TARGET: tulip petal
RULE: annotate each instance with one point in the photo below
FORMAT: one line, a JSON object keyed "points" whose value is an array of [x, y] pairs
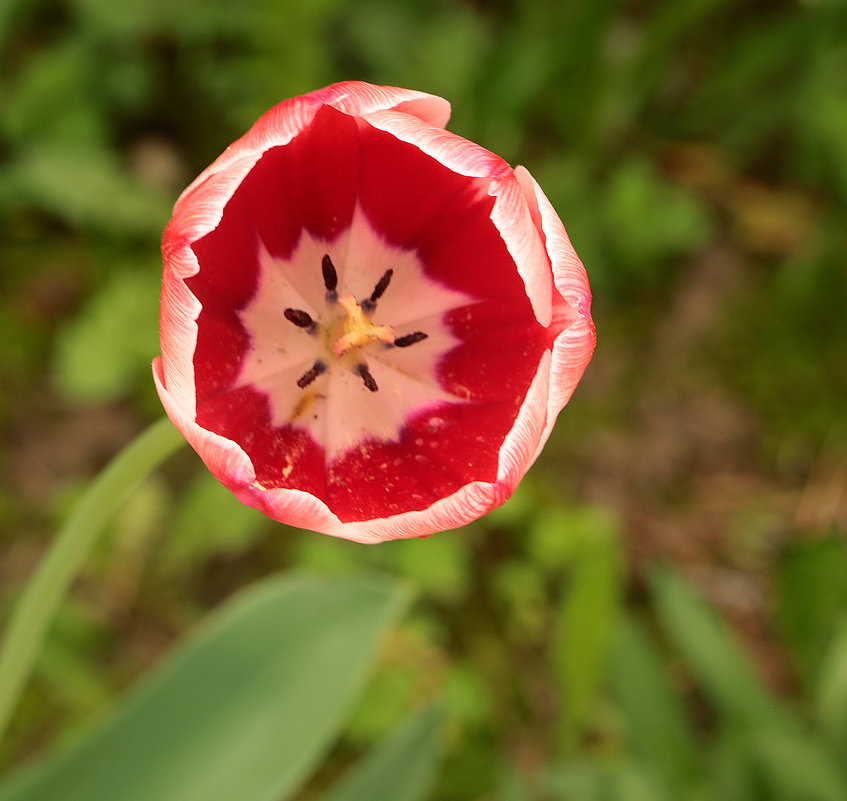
{"points": [[283, 122], [509, 213], [576, 339]]}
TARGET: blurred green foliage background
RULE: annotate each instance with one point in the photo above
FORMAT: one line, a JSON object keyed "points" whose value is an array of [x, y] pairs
{"points": [[697, 153]]}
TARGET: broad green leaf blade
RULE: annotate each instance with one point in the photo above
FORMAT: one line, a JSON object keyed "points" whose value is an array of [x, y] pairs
{"points": [[700, 637], [653, 716], [401, 768], [243, 710]]}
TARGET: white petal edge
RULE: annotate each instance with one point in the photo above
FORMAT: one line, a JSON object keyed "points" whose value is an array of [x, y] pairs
{"points": [[281, 123], [574, 345], [572, 351], [511, 214], [569, 273], [226, 460], [178, 332], [467, 504]]}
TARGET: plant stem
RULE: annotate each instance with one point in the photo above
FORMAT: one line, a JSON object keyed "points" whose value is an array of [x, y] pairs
{"points": [[44, 591]]}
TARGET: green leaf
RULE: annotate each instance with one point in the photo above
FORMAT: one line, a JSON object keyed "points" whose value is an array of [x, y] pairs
{"points": [[730, 776], [111, 342], [653, 716], [510, 785], [700, 637], [556, 534], [576, 779], [401, 768], [397, 681], [831, 690], [88, 187], [209, 521], [792, 764], [824, 112], [600, 780], [651, 220], [661, 40], [633, 782], [439, 567], [243, 710], [52, 101], [585, 625], [812, 582]]}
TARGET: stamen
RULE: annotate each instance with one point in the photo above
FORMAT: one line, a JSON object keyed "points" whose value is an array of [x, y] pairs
{"points": [[381, 286], [330, 275], [300, 318], [410, 339], [370, 382], [311, 374], [379, 290]]}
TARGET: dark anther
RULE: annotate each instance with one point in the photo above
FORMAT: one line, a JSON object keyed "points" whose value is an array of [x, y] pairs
{"points": [[369, 304], [330, 276], [300, 318], [381, 286], [370, 383], [311, 374], [410, 339]]}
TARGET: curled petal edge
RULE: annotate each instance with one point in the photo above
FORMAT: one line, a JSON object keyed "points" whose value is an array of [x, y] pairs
{"points": [[569, 274], [576, 337], [178, 329]]}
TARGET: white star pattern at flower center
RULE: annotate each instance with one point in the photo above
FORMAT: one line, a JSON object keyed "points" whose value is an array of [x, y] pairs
{"points": [[346, 337]]}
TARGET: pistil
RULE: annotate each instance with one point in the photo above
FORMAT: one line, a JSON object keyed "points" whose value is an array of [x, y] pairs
{"points": [[357, 328]]}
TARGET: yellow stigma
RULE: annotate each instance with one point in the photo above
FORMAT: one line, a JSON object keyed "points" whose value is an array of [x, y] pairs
{"points": [[357, 330]]}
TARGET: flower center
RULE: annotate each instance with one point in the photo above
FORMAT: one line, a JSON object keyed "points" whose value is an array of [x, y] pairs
{"points": [[346, 335], [357, 328], [375, 387]]}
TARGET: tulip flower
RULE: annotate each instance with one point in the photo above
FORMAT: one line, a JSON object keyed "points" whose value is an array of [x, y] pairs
{"points": [[368, 324]]}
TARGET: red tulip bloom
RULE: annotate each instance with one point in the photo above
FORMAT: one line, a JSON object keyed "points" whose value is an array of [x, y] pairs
{"points": [[368, 324]]}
